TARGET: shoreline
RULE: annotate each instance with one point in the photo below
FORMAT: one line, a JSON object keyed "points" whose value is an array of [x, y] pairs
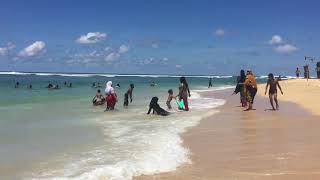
{"points": [[261, 144]]}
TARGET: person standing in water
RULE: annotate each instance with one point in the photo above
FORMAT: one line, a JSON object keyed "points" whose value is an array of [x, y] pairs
{"points": [[274, 84], [169, 99], [251, 89], [128, 95], [210, 83], [111, 96], [184, 92], [241, 88]]}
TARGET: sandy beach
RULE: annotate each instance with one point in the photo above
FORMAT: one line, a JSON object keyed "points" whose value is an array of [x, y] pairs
{"points": [[260, 144]]}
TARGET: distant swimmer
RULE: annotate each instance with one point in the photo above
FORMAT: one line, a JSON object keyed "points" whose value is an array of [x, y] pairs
{"points": [[70, 85], [273, 85], [98, 85], [155, 107], [50, 86], [152, 84], [98, 99], [93, 85], [210, 83], [30, 86], [118, 85], [65, 83], [17, 85], [128, 95]]}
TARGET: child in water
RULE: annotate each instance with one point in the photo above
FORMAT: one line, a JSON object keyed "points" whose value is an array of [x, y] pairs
{"points": [[170, 97], [274, 84], [98, 99], [127, 95], [156, 107]]}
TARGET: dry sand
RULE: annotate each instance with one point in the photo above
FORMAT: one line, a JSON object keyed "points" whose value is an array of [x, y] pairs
{"points": [[260, 144], [304, 92]]}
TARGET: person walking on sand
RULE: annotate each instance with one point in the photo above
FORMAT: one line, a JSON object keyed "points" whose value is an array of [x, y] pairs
{"points": [[297, 72], [274, 84], [111, 96], [241, 88], [184, 92], [251, 89]]}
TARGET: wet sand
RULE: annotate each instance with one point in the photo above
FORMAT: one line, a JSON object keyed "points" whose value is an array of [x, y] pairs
{"points": [[260, 144]]}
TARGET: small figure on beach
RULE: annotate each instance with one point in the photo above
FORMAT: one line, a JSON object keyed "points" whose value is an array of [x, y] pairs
{"points": [[155, 107], [210, 83], [241, 88], [273, 85], [111, 96], [297, 72], [17, 85], [184, 92], [98, 99], [251, 89], [30, 86], [170, 97], [128, 95]]}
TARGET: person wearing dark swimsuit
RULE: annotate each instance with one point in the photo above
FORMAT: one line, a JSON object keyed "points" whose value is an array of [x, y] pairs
{"points": [[128, 95], [274, 84], [156, 107]]}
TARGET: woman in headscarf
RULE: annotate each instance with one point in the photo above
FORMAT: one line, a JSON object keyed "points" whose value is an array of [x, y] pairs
{"points": [[111, 96], [251, 87], [240, 88], [184, 92]]}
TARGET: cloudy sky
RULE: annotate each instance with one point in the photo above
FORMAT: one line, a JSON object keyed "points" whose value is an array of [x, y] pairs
{"points": [[158, 36]]}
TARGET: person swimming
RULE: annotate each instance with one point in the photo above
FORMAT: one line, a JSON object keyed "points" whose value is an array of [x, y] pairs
{"points": [[170, 97], [93, 85], [152, 84], [274, 84], [98, 99], [17, 85], [155, 107], [128, 95], [70, 85], [50, 86], [30, 86], [118, 85]]}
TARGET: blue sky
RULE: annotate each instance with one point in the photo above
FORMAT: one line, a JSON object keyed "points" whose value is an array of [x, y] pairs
{"points": [[158, 36]]}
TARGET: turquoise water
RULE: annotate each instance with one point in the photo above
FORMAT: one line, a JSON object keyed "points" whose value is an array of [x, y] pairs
{"points": [[59, 134]]}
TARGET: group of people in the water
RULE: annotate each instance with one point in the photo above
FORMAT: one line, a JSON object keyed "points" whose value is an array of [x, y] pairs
{"points": [[111, 98], [247, 87], [50, 86]]}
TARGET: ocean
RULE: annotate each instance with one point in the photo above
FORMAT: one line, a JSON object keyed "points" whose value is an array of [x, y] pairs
{"points": [[58, 134]]}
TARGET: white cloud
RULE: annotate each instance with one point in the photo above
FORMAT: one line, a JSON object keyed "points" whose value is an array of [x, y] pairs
{"points": [[5, 50], [91, 37], [112, 56], [276, 39], [123, 49], [108, 48], [286, 49], [220, 32], [33, 49], [178, 66]]}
